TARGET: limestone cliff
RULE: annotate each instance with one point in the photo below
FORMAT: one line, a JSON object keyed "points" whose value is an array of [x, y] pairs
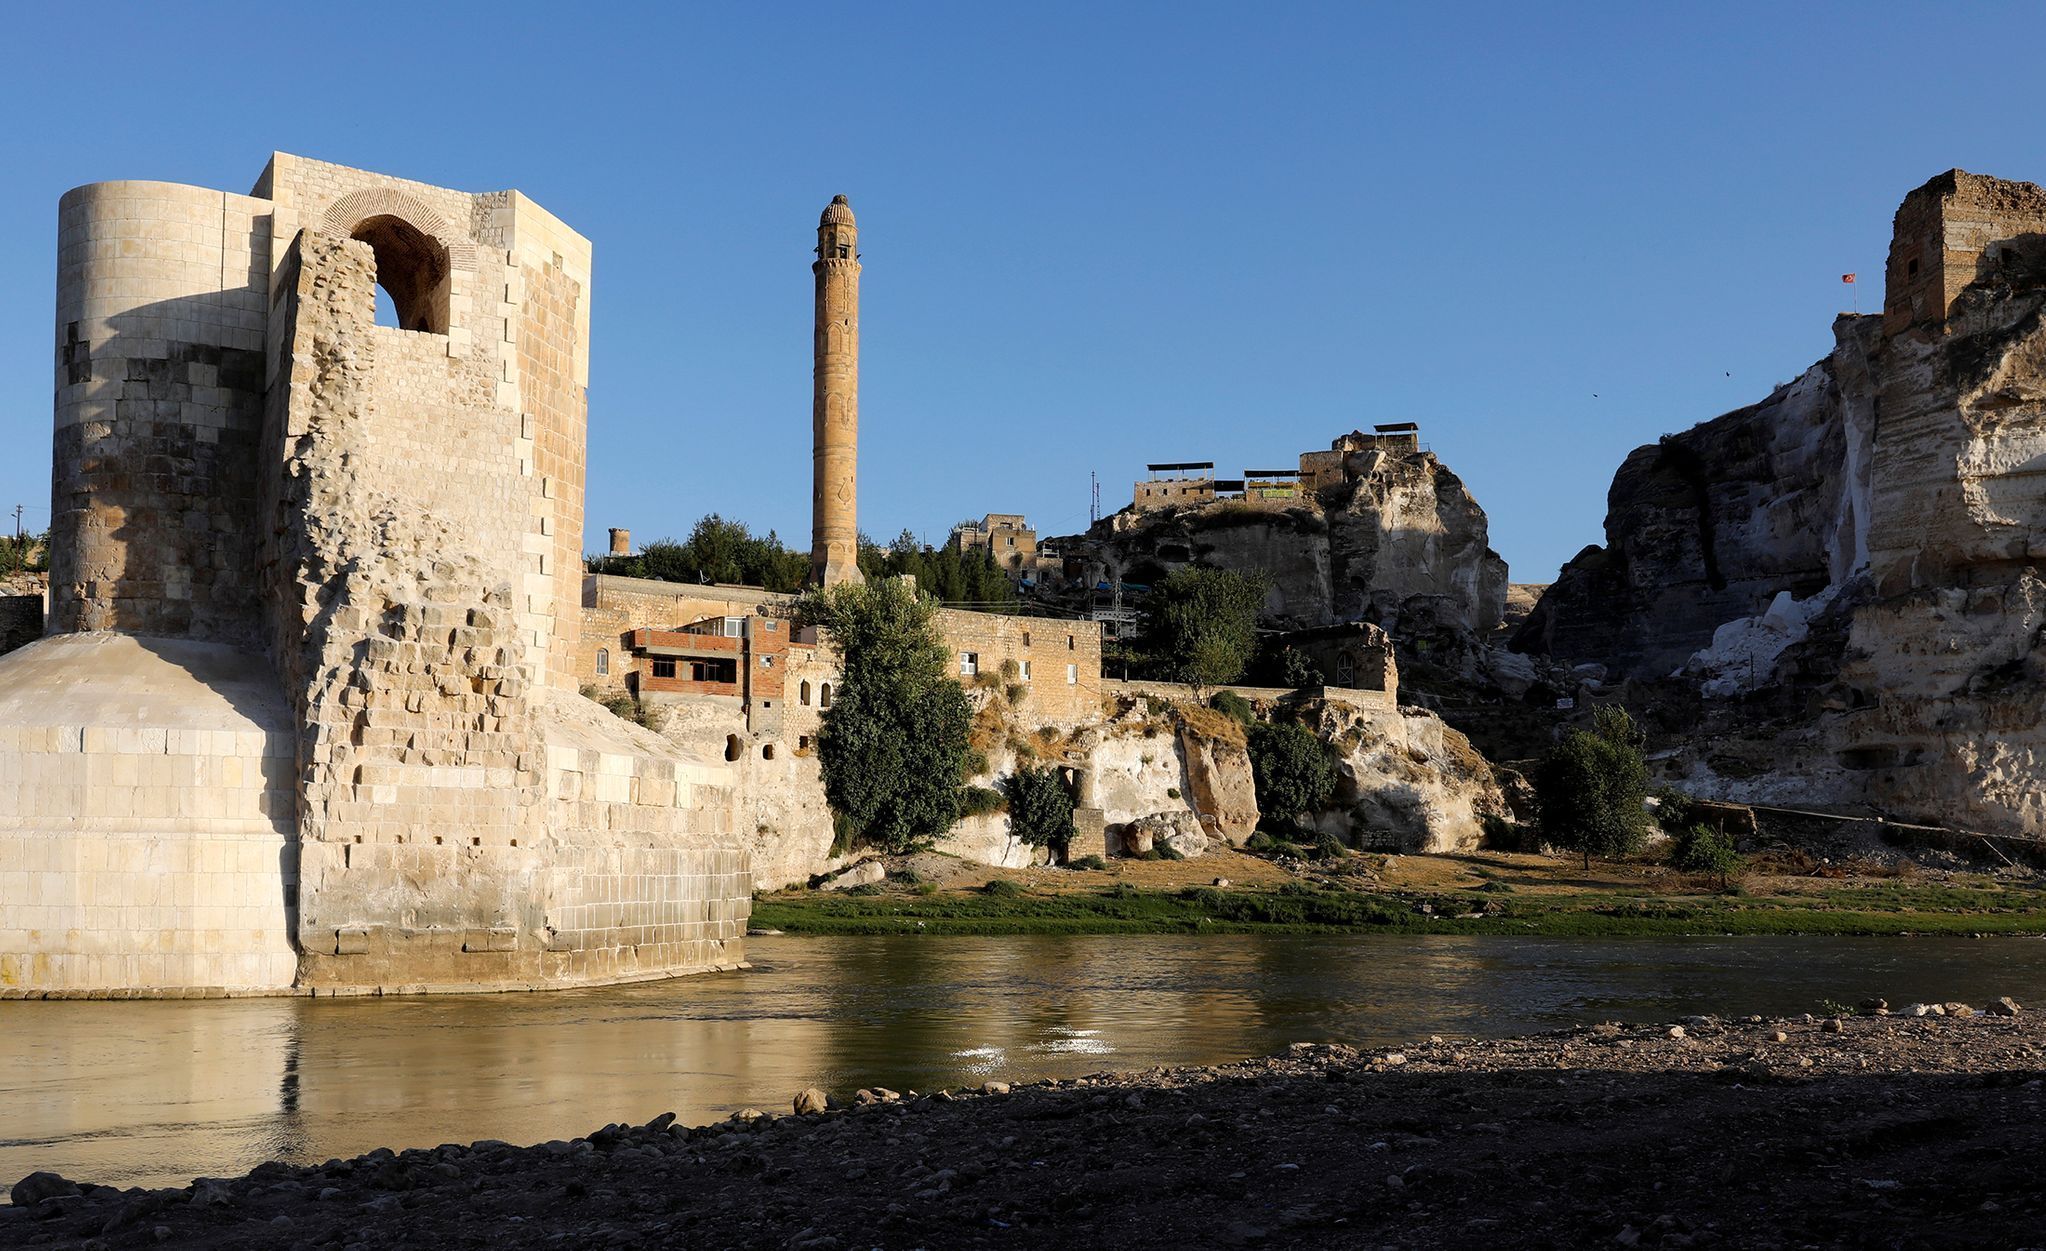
{"points": [[1706, 526], [1849, 574], [1398, 527], [1409, 782]]}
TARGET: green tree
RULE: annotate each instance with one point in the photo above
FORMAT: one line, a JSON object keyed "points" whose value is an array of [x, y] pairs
{"points": [[1202, 624], [1292, 770], [1703, 849], [893, 744], [1592, 787], [1040, 807]]}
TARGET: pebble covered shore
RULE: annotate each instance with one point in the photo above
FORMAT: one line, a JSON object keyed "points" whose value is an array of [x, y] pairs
{"points": [[1918, 1127]]}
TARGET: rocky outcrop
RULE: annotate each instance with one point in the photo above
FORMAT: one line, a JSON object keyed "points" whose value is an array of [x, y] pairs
{"points": [[1708, 526], [1398, 527], [1409, 782], [1852, 586]]}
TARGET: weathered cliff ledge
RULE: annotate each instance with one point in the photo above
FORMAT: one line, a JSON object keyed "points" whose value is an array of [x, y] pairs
{"points": [[1835, 596], [1873, 1131], [1399, 527]]}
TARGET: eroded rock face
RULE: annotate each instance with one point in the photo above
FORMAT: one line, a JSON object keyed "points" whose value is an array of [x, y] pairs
{"points": [[1409, 782], [1867, 631], [1400, 527], [1707, 526]]}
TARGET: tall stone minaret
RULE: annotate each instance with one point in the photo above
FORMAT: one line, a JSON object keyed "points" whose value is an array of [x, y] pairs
{"points": [[835, 408]]}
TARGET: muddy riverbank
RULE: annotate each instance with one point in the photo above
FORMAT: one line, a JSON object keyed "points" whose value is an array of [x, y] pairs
{"points": [[1872, 1130]]}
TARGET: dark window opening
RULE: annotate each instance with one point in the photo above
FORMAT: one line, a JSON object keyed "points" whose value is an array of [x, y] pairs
{"points": [[824, 695], [726, 671], [733, 748], [412, 272], [664, 666]]}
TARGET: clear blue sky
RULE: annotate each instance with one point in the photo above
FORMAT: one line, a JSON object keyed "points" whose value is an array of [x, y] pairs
{"points": [[1095, 235]]}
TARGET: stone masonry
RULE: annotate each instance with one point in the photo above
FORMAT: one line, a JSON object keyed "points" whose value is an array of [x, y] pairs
{"points": [[379, 526]]}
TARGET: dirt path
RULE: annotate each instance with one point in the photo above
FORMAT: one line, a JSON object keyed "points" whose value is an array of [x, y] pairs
{"points": [[1891, 1132]]}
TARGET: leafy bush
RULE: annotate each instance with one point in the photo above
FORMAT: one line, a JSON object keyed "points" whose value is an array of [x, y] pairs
{"points": [[1040, 807], [1261, 842], [1234, 705], [893, 743], [1088, 862], [1292, 770], [1591, 788], [1675, 811], [1703, 849], [978, 801], [1002, 888], [1166, 851], [1329, 847], [1296, 670]]}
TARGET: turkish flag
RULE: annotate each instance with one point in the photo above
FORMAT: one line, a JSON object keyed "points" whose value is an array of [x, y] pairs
{"points": [[1847, 277]]}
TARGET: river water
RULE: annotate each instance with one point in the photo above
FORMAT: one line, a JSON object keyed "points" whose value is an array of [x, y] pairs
{"points": [[155, 1093]]}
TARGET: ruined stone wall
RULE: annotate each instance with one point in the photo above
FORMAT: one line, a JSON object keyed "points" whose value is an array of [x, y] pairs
{"points": [[1064, 658], [1954, 230], [161, 295]]}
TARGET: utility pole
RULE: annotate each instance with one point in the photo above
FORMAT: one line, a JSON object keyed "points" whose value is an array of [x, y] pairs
{"points": [[17, 523], [1094, 484]]}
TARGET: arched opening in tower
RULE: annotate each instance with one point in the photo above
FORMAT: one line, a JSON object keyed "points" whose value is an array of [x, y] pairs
{"points": [[412, 274]]}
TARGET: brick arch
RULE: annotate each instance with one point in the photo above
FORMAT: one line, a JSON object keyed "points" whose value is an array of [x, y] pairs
{"points": [[357, 207]]}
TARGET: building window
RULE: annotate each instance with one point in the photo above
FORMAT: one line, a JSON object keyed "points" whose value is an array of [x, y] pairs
{"points": [[1072, 675], [803, 693], [770, 626], [767, 751], [1026, 638], [733, 748], [664, 666], [1026, 671], [969, 664], [1070, 645], [767, 662], [1012, 540], [802, 743], [603, 662], [824, 696]]}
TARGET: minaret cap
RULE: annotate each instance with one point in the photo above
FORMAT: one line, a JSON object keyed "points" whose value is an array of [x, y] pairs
{"points": [[836, 213]]}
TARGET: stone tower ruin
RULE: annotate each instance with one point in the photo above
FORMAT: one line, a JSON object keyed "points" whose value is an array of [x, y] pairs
{"points": [[306, 718], [835, 407]]}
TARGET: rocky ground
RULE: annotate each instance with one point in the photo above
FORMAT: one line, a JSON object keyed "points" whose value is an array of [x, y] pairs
{"points": [[1870, 1131]]}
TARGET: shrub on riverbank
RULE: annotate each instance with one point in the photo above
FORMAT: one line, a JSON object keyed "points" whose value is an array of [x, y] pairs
{"points": [[1292, 769], [1702, 849], [1040, 807], [1592, 788]]}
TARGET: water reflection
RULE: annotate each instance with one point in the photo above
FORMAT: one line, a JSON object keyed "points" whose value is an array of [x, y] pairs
{"points": [[156, 1092]]}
